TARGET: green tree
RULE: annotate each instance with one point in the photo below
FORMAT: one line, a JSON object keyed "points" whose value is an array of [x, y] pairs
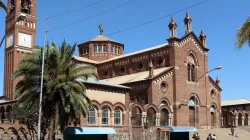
{"points": [[26, 115], [243, 34], [64, 96]]}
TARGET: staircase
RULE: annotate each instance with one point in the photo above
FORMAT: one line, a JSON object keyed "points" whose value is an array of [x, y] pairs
{"points": [[225, 133]]}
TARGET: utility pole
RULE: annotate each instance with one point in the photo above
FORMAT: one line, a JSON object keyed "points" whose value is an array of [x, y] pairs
{"points": [[41, 88]]}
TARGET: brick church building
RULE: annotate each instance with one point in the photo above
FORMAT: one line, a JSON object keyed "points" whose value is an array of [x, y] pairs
{"points": [[153, 86]]}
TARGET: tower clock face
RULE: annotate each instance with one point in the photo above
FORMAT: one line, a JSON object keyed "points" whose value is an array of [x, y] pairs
{"points": [[24, 40], [9, 41]]}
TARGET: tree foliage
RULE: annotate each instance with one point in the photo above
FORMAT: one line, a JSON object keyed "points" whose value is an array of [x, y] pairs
{"points": [[64, 96], [243, 34]]}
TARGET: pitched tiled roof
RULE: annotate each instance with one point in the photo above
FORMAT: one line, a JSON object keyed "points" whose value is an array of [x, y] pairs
{"points": [[137, 52], [102, 38], [235, 102], [121, 56], [140, 76], [83, 59], [101, 82]]}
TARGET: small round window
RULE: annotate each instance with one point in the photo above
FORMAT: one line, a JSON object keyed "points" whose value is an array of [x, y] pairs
{"points": [[164, 87], [106, 73], [213, 94], [140, 66], [122, 70], [160, 61]]}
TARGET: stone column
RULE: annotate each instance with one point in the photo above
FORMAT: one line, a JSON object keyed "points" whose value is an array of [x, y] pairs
{"points": [[236, 121], [242, 120], [157, 119], [143, 118], [99, 117], [248, 121], [6, 115], [221, 119], [1, 114], [129, 118], [170, 118], [112, 118]]}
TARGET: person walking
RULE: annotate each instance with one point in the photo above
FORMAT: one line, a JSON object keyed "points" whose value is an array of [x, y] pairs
{"points": [[214, 137], [209, 137], [197, 137], [232, 130]]}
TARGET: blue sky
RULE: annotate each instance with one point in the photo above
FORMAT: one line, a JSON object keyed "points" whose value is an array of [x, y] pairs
{"points": [[219, 19]]}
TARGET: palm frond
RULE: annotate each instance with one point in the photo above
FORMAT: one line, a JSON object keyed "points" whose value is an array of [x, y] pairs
{"points": [[243, 34]]}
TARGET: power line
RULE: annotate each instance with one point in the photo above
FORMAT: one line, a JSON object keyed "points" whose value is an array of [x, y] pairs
{"points": [[76, 9], [92, 16], [159, 18]]}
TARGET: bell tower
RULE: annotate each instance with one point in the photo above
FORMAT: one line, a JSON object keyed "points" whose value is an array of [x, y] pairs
{"points": [[20, 32]]}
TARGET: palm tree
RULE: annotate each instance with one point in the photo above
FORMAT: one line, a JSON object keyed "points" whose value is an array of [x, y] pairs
{"points": [[243, 34], [64, 96]]}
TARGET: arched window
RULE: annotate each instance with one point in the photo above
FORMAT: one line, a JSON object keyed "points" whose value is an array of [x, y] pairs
{"points": [[105, 116], [163, 103], [118, 50], [191, 68], [164, 117], [91, 117], [95, 48], [104, 48], [99, 48], [136, 116], [117, 116], [192, 73]]}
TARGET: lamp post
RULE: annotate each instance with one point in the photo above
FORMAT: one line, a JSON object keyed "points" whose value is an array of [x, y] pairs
{"points": [[39, 134], [217, 68], [20, 17]]}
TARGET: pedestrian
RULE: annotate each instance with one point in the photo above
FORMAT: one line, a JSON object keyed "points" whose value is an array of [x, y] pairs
{"points": [[214, 137], [209, 137], [232, 131], [197, 137], [194, 135]]}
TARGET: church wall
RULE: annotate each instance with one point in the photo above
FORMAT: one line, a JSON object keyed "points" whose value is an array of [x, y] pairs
{"points": [[159, 93], [183, 88], [102, 96]]}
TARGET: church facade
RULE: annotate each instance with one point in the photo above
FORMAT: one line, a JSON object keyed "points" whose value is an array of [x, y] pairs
{"points": [[153, 87]]}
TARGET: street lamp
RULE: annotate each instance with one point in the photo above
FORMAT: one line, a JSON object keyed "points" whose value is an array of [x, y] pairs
{"points": [[3, 6], [20, 17], [217, 68]]}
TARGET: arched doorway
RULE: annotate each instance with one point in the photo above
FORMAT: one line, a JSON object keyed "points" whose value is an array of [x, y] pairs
{"points": [[212, 119], [136, 116], [228, 119], [151, 116], [246, 119], [192, 114], [164, 117], [213, 115], [239, 119]]}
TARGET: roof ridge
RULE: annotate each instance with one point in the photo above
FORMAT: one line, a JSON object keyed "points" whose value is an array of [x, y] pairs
{"points": [[134, 53], [236, 99]]}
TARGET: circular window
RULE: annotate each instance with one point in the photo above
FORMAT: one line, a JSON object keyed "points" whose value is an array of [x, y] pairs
{"points": [[164, 87], [122, 70], [213, 94], [160, 61], [140, 66], [106, 73]]}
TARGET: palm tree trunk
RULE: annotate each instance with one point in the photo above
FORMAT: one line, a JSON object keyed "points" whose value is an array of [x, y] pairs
{"points": [[52, 127]]}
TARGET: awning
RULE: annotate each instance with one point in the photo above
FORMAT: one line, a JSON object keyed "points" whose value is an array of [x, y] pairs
{"points": [[88, 130], [181, 129]]}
